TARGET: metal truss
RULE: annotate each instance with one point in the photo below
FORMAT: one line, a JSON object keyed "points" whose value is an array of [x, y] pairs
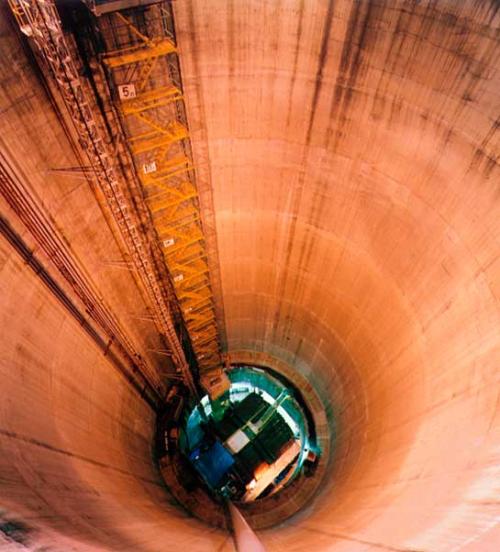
{"points": [[39, 20], [142, 70]]}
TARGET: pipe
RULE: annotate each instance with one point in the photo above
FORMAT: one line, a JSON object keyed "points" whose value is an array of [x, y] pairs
{"points": [[244, 537]]}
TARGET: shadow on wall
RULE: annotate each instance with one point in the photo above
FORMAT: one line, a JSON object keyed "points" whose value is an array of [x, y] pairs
{"points": [[61, 491], [14, 531]]}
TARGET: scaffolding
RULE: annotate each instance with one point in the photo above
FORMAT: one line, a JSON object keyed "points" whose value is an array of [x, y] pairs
{"points": [[39, 20], [156, 204], [143, 75]]}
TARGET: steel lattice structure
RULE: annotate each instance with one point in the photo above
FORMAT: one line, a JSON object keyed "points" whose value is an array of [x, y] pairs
{"points": [[39, 20], [143, 76]]}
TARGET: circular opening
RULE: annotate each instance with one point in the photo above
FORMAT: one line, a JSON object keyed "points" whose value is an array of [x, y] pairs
{"points": [[255, 445], [252, 441]]}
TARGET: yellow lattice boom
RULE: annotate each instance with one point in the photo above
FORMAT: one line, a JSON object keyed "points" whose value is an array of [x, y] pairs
{"points": [[143, 74]]}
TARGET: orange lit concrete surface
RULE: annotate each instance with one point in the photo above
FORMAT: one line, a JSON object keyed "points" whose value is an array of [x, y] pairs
{"points": [[352, 150]]}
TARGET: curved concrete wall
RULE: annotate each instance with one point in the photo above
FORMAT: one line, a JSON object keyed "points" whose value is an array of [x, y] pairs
{"points": [[352, 151]]}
